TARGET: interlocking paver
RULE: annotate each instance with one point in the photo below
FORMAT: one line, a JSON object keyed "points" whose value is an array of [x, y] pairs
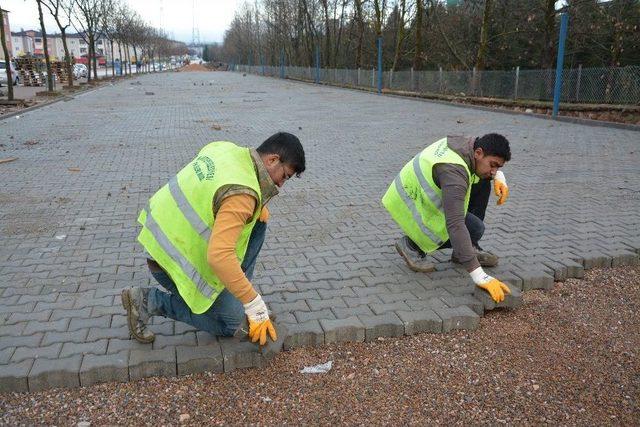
{"points": [[104, 368], [47, 373], [329, 251], [148, 363]]}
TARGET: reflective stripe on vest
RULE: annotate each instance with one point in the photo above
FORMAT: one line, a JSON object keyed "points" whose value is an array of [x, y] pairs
{"points": [[414, 200], [435, 199], [412, 207], [187, 210], [172, 251]]}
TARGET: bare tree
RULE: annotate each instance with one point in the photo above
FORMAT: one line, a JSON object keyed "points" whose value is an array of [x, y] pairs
{"points": [[7, 57], [400, 10], [45, 43], [57, 9], [87, 19]]}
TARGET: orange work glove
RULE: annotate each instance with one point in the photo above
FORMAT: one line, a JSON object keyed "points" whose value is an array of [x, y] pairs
{"points": [[500, 187], [259, 322], [264, 214], [496, 288]]}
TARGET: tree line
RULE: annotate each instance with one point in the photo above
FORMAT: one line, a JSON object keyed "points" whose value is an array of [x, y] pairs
{"points": [[428, 34], [112, 20]]}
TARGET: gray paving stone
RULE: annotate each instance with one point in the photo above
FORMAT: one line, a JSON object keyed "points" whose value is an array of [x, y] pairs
{"points": [[360, 310], [342, 330], [384, 308], [21, 341], [44, 352], [624, 257], [47, 373], [535, 279], [5, 355], [104, 368], [304, 316], [458, 318], [307, 334], [77, 336], [95, 347], [420, 321], [382, 325], [595, 259], [574, 269], [145, 363], [317, 305], [187, 339], [13, 377], [116, 345], [332, 293], [121, 332], [470, 301], [239, 353], [200, 359], [35, 326]]}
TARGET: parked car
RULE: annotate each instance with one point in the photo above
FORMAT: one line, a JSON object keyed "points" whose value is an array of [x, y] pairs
{"points": [[80, 71], [3, 73]]}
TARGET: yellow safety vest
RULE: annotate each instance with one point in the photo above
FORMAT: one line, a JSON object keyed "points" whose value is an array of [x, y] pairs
{"points": [[415, 201], [177, 222]]}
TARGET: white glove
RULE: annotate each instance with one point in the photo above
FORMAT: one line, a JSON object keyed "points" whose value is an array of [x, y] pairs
{"points": [[500, 177], [479, 277], [256, 310]]}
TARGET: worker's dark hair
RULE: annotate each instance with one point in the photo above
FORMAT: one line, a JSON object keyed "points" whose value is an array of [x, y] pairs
{"points": [[288, 147], [494, 144]]}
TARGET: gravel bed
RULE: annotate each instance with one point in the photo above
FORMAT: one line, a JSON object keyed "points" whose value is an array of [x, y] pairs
{"points": [[568, 356]]}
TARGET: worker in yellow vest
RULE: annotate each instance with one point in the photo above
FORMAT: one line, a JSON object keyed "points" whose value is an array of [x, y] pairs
{"points": [[202, 232], [439, 200]]}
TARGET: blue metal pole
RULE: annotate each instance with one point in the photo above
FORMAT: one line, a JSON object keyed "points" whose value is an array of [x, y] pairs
{"points": [[262, 63], [379, 65], [564, 19], [317, 64]]}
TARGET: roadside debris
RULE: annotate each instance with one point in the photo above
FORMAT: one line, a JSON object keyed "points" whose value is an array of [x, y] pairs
{"points": [[318, 369], [73, 169], [8, 159]]}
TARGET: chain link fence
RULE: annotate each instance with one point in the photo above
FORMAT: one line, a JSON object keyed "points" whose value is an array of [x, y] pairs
{"points": [[613, 85]]}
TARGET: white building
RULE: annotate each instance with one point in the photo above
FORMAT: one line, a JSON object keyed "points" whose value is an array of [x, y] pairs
{"points": [[29, 43]]}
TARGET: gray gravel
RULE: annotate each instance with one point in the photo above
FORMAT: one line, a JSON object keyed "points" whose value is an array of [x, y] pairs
{"points": [[569, 356]]}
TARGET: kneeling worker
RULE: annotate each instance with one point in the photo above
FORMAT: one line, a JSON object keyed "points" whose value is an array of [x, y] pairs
{"points": [[439, 200], [202, 233]]}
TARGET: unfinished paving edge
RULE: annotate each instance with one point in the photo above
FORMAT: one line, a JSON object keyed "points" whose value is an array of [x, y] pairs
{"points": [[228, 354]]}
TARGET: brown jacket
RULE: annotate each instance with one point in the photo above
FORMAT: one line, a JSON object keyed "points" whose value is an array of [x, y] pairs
{"points": [[453, 181]]}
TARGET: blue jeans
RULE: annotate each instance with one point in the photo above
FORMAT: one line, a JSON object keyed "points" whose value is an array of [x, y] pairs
{"points": [[225, 315]]}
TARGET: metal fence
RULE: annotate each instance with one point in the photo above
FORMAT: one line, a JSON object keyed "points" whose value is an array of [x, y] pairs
{"points": [[614, 85]]}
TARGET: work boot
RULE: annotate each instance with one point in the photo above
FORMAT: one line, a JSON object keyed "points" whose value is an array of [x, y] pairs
{"points": [[413, 256], [485, 258], [135, 301]]}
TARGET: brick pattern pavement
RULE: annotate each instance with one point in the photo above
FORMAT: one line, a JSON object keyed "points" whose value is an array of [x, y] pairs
{"points": [[328, 267]]}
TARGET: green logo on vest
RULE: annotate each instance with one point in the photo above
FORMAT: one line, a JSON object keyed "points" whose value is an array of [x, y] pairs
{"points": [[208, 164], [441, 149]]}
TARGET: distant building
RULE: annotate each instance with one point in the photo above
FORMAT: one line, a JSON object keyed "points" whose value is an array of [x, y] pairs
{"points": [[30, 43], [7, 33]]}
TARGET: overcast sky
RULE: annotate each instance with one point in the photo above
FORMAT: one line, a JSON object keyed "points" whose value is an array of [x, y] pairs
{"points": [[212, 17]]}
